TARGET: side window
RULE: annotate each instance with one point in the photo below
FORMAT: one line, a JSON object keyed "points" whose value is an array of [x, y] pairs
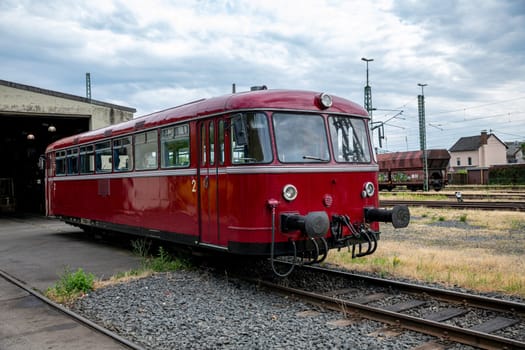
{"points": [[203, 144], [221, 142], [175, 146], [72, 161], [87, 160], [60, 161], [103, 157], [146, 146], [122, 154], [211, 137]]}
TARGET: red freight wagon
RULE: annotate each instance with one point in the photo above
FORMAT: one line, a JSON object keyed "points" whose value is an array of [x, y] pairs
{"points": [[407, 169], [266, 173]]}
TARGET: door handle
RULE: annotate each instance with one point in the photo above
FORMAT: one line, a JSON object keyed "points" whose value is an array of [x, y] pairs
{"points": [[206, 182]]}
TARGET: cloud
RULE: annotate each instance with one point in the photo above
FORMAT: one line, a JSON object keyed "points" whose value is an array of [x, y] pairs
{"points": [[157, 54]]}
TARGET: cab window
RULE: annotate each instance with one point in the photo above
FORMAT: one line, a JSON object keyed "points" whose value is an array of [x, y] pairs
{"points": [[250, 139]]}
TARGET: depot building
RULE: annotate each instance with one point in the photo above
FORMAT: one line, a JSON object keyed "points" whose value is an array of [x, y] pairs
{"points": [[30, 119]]}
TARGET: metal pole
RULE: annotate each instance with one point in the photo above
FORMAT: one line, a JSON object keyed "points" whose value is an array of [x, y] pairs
{"points": [[368, 89], [423, 135], [368, 98], [88, 86]]}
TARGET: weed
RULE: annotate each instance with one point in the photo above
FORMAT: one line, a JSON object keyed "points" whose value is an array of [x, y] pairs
{"points": [[141, 247], [395, 261], [514, 285], [463, 218], [71, 285], [164, 262], [441, 218]]}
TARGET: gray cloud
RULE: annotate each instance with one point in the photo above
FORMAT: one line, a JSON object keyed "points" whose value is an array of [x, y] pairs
{"points": [[162, 53]]}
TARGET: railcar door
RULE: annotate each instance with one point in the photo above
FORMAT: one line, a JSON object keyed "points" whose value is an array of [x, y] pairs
{"points": [[208, 183]]}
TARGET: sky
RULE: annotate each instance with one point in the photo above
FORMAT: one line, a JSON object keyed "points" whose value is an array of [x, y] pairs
{"points": [[152, 55]]}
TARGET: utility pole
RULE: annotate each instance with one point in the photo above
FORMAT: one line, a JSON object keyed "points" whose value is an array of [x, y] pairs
{"points": [[368, 99], [368, 89], [88, 86], [423, 134]]}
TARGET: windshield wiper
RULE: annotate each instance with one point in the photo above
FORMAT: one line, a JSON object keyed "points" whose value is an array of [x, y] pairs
{"points": [[315, 158]]}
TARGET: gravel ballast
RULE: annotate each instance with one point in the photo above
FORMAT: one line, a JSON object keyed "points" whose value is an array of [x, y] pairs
{"points": [[198, 310]]}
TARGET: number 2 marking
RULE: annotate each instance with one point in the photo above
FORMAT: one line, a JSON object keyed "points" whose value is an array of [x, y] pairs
{"points": [[193, 185]]}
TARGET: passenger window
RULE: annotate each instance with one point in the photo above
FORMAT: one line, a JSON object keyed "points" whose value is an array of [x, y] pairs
{"points": [[146, 145], [122, 154], [60, 162], [87, 160], [103, 157], [175, 146], [72, 161]]}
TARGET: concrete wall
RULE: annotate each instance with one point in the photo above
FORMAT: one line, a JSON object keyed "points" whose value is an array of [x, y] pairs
{"points": [[22, 99]]}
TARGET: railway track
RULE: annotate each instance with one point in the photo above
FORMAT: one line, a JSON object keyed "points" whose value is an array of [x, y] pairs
{"points": [[468, 319], [112, 337], [482, 205], [488, 196]]}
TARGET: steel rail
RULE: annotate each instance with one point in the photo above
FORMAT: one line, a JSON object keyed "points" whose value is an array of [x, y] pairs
{"points": [[437, 329], [464, 299], [465, 196], [70, 313], [512, 206], [434, 328]]}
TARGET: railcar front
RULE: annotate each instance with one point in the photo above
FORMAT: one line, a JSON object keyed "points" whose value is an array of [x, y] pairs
{"points": [[303, 182]]}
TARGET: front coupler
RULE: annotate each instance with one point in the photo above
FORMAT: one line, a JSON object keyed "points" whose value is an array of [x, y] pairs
{"points": [[399, 216]]}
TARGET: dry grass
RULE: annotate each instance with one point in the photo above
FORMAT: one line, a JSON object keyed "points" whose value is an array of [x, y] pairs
{"points": [[472, 249], [124, 277]]}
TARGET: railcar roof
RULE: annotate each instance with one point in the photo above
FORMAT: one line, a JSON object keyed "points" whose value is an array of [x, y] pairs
{"points": [[263, 99]]}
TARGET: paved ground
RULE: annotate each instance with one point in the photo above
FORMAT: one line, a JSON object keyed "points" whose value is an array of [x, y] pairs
{"points": [[36, 251]]}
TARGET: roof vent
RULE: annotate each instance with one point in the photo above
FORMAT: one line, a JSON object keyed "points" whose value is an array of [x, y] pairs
{"points": [[257, 88]]}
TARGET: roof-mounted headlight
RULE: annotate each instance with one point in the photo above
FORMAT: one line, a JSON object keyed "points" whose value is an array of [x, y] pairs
{"points": [[325, 100]]}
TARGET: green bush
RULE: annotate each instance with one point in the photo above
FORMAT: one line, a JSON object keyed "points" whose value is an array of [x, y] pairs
{"points": [[70, 285], [507, 174]]}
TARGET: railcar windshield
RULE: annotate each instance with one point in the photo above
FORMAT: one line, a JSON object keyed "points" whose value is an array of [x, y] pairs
{"points": [[250, 141], [349, 139], [300, 138]]}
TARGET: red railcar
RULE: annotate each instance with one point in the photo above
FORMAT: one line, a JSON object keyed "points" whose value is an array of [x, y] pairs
{"points": [[267, 173], [407, 169]]}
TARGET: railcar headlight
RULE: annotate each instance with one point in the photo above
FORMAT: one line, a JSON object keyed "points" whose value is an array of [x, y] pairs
{"points": [[369, 190], [326, 100], [289, 192]]}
